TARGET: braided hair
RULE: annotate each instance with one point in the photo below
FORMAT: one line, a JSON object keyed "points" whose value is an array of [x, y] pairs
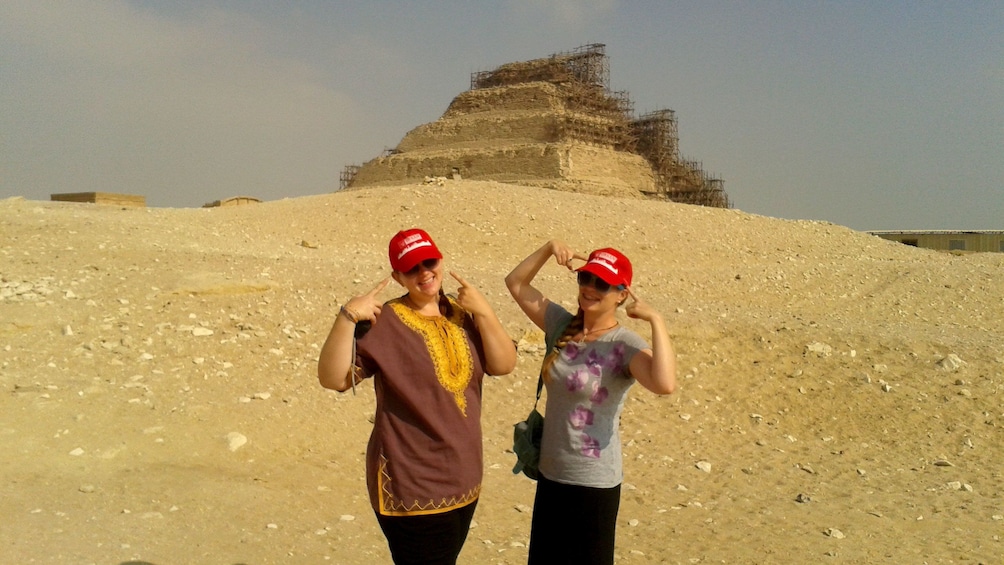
{"points": [[574, 326]]}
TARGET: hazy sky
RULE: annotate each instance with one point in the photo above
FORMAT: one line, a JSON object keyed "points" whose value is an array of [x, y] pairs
{"points": [[872, 115]]}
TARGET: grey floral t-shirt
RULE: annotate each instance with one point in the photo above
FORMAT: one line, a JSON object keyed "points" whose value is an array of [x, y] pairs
{"points": [[585, 395]]}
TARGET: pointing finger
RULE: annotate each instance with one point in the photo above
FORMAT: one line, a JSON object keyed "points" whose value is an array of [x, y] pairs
{"points": [[380, 286], [459, 279]]}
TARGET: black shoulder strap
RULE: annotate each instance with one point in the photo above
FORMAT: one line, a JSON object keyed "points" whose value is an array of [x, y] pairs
{"points": [[550, 342]]}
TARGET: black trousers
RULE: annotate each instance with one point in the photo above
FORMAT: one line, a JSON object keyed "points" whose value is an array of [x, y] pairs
{"points": [[432, 539], [573, 524]]}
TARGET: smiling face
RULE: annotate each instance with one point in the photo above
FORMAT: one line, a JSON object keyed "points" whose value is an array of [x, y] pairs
{"points": [[597, 301], [424, 279]]}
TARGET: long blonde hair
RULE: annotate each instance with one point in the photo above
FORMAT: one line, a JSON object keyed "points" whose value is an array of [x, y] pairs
{"points": [[574, 326]]}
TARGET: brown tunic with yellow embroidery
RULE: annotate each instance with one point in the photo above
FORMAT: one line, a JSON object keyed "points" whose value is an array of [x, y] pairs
{"points": [[424, 454]]}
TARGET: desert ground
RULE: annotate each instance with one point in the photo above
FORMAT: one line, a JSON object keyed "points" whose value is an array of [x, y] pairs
{"points": [[840, 395]]}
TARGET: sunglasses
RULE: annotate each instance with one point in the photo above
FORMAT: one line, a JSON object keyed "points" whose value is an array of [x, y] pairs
{"points": [[589, 279], [429, 265]]}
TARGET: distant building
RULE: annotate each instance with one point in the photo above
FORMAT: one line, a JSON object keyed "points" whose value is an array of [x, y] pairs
{"points": [[551, 123], [232, 201], [101, 198], [947, 240]]}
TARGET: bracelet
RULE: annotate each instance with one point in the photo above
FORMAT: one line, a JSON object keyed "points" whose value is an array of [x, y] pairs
{"points": [[349, 314]]}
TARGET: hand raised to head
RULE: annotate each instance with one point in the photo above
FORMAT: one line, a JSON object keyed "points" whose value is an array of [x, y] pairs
{"points": [[563, 254], [639, 309], [470, 298], [368, 306]]}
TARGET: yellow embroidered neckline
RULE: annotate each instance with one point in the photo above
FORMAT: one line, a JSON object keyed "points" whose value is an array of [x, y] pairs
{"points": [[447, 344]]}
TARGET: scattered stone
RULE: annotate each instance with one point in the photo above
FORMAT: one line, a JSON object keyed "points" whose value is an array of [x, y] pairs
{"points": [[820, 349], [835, 533], [950, 363], [236, 440], [704, 466], [200, 331]]}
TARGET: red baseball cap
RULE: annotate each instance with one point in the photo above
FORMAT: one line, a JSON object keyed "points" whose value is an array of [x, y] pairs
{"points": [[610, 265], [409, 248]]}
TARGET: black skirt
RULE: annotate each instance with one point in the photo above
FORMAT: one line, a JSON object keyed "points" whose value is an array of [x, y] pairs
{"points": [[573, 524]]}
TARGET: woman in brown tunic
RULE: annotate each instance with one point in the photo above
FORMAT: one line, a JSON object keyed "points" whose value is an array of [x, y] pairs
{"points": [[428, 353]]}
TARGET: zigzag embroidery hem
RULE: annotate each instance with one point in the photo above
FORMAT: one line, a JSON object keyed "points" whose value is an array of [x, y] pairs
{"points": [[390, 507]]}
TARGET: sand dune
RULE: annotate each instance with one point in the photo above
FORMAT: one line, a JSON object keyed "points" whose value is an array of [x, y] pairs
{"points": [[160, 399]]}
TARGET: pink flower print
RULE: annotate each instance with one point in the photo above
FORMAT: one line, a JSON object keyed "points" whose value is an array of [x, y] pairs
{"points": [[576, 381], [594, 359], [616, 357], [600, 393], [580, 417], [571, 351], [590, 446]]}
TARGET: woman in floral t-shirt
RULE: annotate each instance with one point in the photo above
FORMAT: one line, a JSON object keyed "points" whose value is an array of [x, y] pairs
{"points": [[587, 376]]}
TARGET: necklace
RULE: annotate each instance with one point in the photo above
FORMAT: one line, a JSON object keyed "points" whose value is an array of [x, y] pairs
{"points": [[586, 331]]}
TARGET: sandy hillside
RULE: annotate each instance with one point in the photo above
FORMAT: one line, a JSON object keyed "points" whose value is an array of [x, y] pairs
{"points": [[159, 399]]}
